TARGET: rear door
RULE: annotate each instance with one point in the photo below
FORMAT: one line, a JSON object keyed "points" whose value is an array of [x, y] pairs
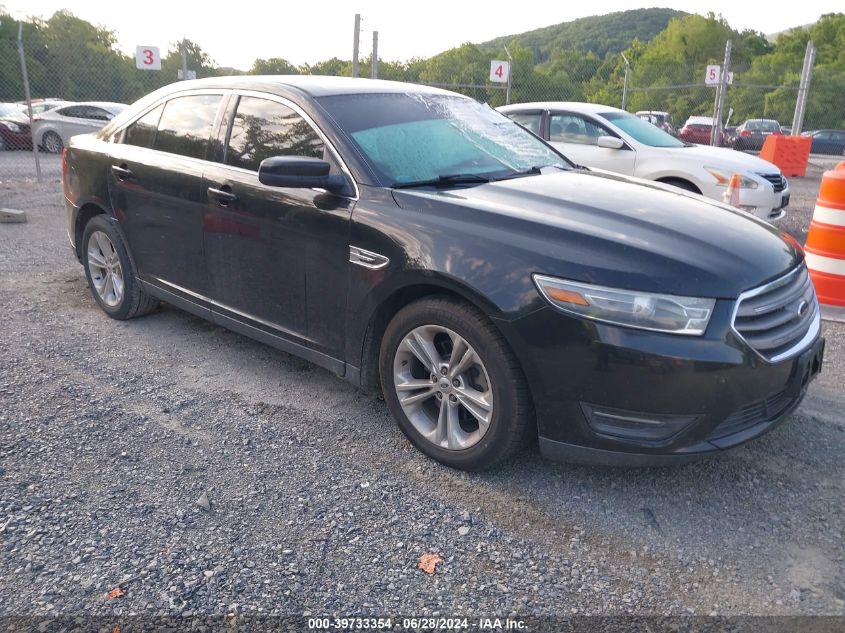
{"points": [[576, 135], [155, 183]]}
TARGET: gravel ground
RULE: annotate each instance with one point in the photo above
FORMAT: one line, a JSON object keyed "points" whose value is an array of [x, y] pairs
{"points": [[206, 474]]}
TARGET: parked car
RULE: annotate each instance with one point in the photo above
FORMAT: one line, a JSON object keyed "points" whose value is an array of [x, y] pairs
{"points": [[785, 129], [14, 128], [661, 119], [753, 133], [828, 142], [603, 137], [408, 237], [53, 129], [698, 130], [43, 105]]}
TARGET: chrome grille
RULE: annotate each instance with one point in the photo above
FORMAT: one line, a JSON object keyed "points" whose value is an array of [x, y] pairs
{"points": [[779, 318], [777, 180]]}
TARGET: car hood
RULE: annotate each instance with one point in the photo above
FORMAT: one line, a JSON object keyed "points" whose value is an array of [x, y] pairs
{"points": [[723, 158], [613, 230]]}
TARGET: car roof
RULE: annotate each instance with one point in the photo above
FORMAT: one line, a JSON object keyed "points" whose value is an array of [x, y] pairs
{"points": [[577, 106], [313, 85]]}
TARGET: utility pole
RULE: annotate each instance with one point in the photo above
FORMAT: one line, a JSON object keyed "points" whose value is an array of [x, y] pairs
{"points": [[716, 130], [804, 89], [28, 96], [374, 71], [625, 85], [355, 44], [184, 59]]}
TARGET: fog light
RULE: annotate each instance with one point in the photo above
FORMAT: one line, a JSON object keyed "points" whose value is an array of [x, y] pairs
{"points": [[635, 426]]}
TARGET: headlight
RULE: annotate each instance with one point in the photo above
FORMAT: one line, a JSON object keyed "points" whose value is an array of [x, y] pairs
{"points": [[723, 178], [644, 310], [14, 127]]}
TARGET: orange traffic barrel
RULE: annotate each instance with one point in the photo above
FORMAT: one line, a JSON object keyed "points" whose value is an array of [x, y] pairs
{"points": [[825, 247]]}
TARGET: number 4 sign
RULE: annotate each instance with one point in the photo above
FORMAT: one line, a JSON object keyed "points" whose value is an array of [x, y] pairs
{"points": [[499, 71], [147, 58]]}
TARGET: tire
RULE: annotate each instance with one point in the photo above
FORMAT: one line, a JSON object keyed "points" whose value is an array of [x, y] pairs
{"points": [[489, 386], [106, 261], [52, 143]]}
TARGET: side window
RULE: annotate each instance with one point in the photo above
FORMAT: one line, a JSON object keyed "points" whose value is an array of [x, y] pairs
{"points": [[185, 125], [263, 128], [143, 132], [75, 112], [571, 128], [98, 114], [528, 120]]}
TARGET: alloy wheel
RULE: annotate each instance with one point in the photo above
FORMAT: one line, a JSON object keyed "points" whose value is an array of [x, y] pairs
{"points": [[105, 269], [443, 387]]}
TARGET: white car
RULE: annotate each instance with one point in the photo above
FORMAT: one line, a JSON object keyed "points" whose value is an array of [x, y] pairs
{"points": [[603, 137], [52, 129]]}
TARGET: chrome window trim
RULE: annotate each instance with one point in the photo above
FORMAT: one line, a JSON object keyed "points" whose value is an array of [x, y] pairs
{"points": [[246, 93], [800, 346], [293, 106]]}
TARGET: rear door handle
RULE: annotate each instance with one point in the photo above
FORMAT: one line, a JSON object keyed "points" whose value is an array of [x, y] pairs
{"points": [[223, 196], [122, 172]]}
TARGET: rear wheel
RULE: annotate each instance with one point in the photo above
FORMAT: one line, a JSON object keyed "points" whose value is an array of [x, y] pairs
{"points": [[110, 274], [453, 385], [52, 142]]}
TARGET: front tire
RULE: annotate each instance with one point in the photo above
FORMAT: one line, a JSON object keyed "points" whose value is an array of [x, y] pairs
{"points": [[111, 276], [453, 385]]}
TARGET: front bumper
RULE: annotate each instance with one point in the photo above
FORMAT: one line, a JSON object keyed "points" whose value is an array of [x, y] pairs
{"points": [[719, 391], [762, 202]]}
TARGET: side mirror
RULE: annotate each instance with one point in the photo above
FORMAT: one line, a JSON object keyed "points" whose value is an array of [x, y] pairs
{"points": [[300, 172], [610, 142]]}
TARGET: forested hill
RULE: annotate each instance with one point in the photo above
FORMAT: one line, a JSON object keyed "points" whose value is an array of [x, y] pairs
{"points": [[600, 34]]}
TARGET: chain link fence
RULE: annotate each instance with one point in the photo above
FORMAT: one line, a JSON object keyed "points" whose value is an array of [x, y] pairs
{"points": [[100, 74]]}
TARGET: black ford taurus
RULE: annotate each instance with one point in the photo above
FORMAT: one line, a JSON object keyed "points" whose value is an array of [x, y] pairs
{"points": [[411, 239]]}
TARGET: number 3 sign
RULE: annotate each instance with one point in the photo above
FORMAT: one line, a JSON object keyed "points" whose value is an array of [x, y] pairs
{"points": [[499, 71], [147, 58]]}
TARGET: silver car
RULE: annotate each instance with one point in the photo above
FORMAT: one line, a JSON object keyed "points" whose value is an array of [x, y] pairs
{"points": [[52, 129]]}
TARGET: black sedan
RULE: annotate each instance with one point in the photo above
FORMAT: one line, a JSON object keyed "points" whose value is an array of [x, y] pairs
{"points": [[413, 240], [828, 142]]}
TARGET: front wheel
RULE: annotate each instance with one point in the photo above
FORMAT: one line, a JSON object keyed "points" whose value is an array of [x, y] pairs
{"points": [[453, 385]]}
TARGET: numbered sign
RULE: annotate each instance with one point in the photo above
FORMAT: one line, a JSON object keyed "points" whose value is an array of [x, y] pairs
{"points": [[713, 75], [499, 71], [147, 58]]}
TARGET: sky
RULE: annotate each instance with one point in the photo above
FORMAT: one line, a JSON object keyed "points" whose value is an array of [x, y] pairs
{"points": [[313, 31]]}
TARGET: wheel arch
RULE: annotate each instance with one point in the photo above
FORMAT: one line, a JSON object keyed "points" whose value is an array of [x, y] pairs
{"points": [[680, 182], [83, 217]]}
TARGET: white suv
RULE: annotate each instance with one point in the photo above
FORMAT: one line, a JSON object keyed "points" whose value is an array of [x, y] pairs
{"points": [[602, 137]]}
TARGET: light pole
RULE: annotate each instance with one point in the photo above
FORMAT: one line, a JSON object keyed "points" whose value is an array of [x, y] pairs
{"points": [[625, 85]]}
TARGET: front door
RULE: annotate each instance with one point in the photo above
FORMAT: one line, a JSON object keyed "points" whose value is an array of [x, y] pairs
{"points": [[275, 254], [576, 135]]}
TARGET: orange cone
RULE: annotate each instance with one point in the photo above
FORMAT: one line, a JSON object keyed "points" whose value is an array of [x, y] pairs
{"points": [[731, 195], [825, 248]]}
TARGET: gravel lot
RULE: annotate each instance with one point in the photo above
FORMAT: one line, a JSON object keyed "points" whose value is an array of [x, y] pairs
{"points": [[112, 432]]}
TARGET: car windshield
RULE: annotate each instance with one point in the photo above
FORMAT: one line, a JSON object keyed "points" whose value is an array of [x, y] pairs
{"points": [[10, 109], [641, 131], [410, 138]]}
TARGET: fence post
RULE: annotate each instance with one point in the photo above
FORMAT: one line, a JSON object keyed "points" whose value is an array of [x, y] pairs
{"points": [[804, 88], [510, 75], [28, 100], [625, 85], [716, 131], [355, 38], [374, 67]]}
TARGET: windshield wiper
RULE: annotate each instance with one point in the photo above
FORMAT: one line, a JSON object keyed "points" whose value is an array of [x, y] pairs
{"points": [[443, 181]]}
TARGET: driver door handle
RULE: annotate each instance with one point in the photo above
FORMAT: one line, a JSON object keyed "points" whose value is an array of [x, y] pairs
{"points": [[222, 196]]}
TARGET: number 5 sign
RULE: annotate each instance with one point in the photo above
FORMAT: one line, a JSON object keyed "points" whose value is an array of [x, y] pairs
{"points": [[499, 71], [147, 58], [712, 75]]}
